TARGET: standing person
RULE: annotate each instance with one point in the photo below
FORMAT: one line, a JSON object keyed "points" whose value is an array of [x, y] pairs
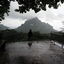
{"points": [[29, 38], [30, 35]]}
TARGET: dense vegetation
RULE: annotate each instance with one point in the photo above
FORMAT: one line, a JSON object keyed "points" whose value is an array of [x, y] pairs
{"points": [[58, 36], [13, 36]]}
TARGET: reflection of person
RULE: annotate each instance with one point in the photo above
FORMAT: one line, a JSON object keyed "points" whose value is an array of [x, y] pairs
{"points": [[29, 44], [30, 34]]}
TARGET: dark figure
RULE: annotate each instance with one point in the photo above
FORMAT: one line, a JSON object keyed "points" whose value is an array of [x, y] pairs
{"points": [[29, 34], [29, 44], [3, 45], [29, 38]]}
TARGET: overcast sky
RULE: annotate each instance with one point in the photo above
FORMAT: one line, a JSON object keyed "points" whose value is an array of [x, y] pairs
{"points": [[54, 17]]}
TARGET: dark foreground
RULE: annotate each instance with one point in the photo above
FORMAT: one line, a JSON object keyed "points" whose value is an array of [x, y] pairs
{"points": [[39, 53]]}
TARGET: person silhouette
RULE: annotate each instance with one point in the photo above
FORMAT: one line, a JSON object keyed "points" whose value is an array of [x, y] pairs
{"points": [[30, 38], [30, 35]]}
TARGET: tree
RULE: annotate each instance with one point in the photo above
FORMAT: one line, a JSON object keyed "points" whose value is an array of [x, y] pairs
{"points": [[26, 5], [4, 8]]}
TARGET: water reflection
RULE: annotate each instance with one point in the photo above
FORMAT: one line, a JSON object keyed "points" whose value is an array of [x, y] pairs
{"points": [[30, 44], [26, 52], [3, 56]]}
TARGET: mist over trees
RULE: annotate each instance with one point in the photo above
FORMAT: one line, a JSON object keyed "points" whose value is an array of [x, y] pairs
{"points": [[26, 5]]}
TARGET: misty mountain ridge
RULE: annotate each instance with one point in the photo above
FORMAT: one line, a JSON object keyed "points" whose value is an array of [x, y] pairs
{"points": [[2, 27], [36, 26]]}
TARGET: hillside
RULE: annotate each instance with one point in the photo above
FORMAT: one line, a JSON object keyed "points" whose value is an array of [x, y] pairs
{"points": [[2, 27], [36, 26]]}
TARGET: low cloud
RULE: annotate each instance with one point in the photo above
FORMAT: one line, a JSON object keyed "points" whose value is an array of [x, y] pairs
{"points": [[49, 16]]}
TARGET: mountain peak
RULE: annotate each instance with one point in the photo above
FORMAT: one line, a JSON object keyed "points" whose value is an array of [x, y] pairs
{"points": [[35, 18], [33, 21], [36, 25], [32, 18]]}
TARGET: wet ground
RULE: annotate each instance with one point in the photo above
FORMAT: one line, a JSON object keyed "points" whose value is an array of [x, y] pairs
{"points": [[40, 52]]}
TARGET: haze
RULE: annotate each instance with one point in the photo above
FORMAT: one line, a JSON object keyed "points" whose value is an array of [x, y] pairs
{"points": [[54, 17]]}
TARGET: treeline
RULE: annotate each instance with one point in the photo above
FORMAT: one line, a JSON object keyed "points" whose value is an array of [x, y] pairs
{"points": [[14, 36], [57, 36]]}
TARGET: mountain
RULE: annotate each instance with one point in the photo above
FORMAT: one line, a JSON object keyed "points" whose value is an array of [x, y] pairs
{"points": [[36, 26], [2, 27]]}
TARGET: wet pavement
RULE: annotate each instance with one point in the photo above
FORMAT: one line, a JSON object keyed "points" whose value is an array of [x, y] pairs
{"points": [[40, 52]]}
